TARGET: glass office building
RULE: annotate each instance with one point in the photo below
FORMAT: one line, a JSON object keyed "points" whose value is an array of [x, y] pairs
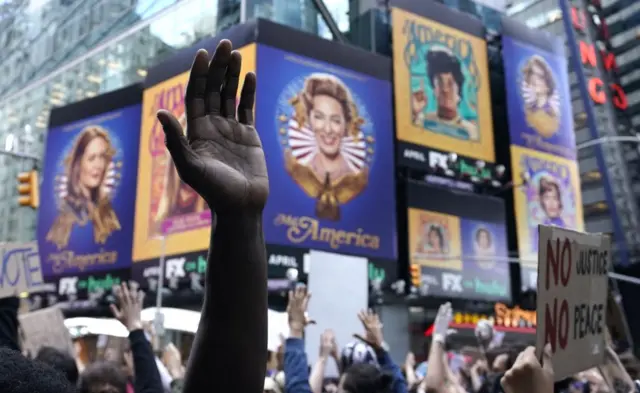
{"points": [[621, 17], [55, 52]]}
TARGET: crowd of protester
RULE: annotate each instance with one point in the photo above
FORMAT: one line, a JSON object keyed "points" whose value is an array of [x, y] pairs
{"points": [[221, 158]]}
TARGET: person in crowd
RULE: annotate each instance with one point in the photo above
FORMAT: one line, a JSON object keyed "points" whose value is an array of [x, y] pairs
{"points": [[221, 158], [363, 377], [18, 374], [60, 361], [328, 350], [128, 312]]}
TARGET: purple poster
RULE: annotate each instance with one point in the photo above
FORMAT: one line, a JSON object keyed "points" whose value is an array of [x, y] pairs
{"points": [[85, 220], [539, 101], [485, 258]]}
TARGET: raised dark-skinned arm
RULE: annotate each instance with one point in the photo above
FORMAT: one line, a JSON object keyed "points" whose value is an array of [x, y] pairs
{"points": [[222, 159]]}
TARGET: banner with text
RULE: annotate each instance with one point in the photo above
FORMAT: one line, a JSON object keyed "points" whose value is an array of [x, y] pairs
{"points": [[20, 270], [572, 298], [164, 204], [327, 134], [85, 219]]}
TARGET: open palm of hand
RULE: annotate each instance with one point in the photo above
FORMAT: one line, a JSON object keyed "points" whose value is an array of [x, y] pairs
{"points": [[221, 157]]}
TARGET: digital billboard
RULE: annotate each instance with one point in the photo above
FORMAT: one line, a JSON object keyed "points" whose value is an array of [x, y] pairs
{"points": [[538, 97], [165, 206], [459, 243], [327, 133], [550, 196], [85, 219], [441, 85]]}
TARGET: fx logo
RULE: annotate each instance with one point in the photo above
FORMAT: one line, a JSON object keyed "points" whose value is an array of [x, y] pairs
{"points": [[175, 268], [452, 282], [438, 160], [68, 286]]}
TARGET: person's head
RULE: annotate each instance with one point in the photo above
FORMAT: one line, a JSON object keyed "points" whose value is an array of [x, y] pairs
{"points": [[364, 378], [446, 77], [550, 197], [60, 361], [483, 239], [103, 377], [357, 352], [21, 375], [87, 163], [435, 238], [539, 77], [329, 109]]}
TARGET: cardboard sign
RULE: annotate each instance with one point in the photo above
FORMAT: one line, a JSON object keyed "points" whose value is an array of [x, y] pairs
{"points": [[20, 270], [45, 328], [572, 298]]}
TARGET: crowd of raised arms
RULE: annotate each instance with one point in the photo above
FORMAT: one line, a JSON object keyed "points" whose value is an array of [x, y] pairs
{"points": [[221, 158]]}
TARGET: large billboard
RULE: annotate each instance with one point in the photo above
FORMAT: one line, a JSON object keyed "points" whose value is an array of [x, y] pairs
{"points": [[85, 219], [165, 206], [441, 84], [459, 243], [327, 133], [539, 101], [549, 196]]}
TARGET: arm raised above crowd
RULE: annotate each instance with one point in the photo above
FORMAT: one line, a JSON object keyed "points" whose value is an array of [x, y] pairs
{"points": [[222, 159]]}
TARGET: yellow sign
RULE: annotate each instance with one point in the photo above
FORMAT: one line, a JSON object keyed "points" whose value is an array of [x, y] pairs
{"points": [[514, 317], [547, 192], [163, 202], [441, 80], [463, 318], [434, 239]]}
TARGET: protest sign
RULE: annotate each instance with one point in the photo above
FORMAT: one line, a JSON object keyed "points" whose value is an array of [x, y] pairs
{"points": [[572, 298], [20, 270], [45, 328]]}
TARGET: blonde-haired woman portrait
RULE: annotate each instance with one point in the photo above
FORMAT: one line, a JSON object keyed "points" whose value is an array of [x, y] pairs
{"points": [[330, 115], [85, 193], [177, 198], [539, 86]]}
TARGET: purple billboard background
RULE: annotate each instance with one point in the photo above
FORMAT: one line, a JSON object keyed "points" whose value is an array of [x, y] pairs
{"points": [[539, 101]]}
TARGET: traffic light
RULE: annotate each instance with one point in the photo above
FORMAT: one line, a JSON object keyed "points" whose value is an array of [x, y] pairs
{"points": [[416, 275], [28, 188]]}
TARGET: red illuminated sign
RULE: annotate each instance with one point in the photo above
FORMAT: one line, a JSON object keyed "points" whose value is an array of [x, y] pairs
{"points": [[596, 86]]}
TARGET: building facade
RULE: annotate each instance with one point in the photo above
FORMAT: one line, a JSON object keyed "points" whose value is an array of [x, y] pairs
{"points": [[617, 25]]}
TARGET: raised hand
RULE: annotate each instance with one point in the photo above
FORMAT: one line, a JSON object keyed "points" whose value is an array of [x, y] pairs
{"points": [[328, 345], [372, 327], [527, 375], [442, 322], [297, 310], [129, 309], [221, 157]]}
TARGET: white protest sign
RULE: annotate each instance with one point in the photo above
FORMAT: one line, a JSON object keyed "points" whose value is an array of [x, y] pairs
{"points": [[20, 270], [572, 298]]}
